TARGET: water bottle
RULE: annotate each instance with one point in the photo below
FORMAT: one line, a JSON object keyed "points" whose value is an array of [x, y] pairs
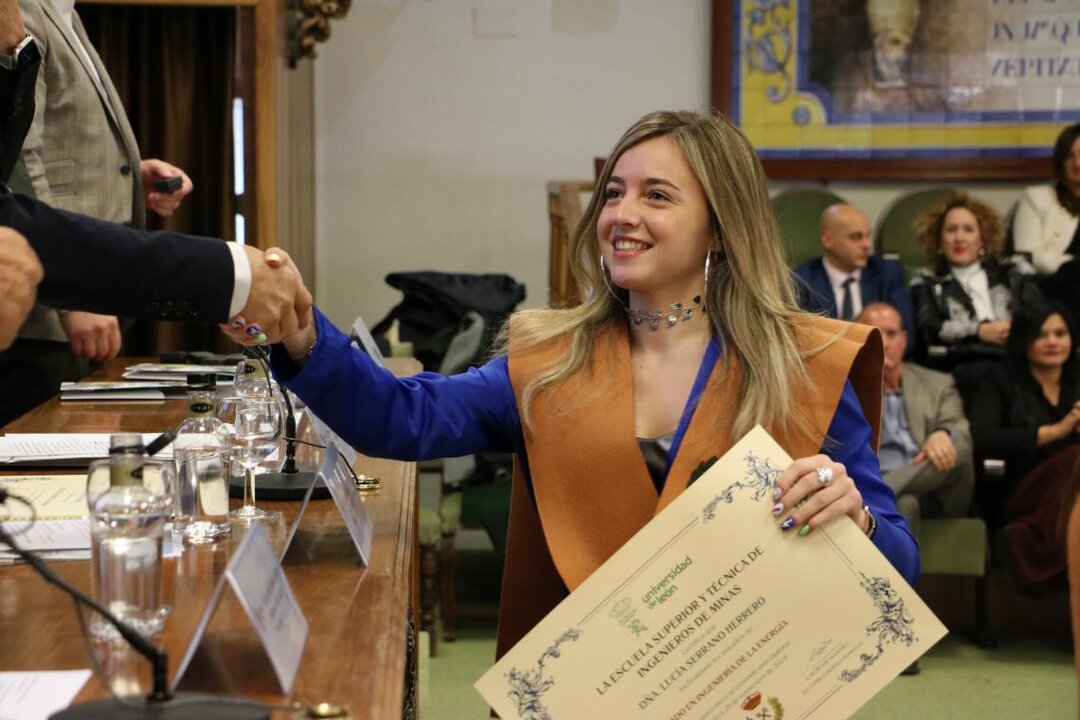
{"points": [[202, 492], [130, 497], [251, 380]]}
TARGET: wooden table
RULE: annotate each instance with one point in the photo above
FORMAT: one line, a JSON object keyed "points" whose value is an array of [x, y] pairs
{"points": [[361, 642]]}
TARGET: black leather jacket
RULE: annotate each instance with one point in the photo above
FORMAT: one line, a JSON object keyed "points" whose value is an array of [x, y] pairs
{"points": [[945, 315]]}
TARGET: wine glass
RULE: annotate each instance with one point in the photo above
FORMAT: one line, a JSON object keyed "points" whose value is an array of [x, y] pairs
{"points": [[251, 427]]}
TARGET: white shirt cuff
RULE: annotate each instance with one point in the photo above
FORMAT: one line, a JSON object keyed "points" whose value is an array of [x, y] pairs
{"points": [[241, 278]]}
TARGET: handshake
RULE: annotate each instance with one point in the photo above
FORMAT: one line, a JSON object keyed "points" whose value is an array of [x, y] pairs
{"points": [[55, 272], [278, 306]]}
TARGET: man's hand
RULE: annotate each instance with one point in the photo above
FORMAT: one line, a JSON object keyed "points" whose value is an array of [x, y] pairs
{"points": [[939, 450], [279, 303], [164, 204], [92, 336], [20, 273], [12, 30]]}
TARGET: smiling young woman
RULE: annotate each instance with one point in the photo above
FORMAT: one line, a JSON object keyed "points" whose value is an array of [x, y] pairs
{"points": [[688, 336]]}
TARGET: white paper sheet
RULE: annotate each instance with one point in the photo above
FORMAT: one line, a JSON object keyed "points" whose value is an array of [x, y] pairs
{"points": [[61, 448], [37, 695], [54, 497]]}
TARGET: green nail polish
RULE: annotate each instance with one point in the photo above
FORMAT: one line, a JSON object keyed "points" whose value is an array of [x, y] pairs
{"points": [[260, 338], [804, 531]]}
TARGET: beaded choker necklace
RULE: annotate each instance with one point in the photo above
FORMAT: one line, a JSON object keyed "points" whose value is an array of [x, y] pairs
{"points": [[671, 317]]}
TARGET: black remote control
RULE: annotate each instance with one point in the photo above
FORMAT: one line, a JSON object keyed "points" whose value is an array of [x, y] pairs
{"points": [[168, 185]]}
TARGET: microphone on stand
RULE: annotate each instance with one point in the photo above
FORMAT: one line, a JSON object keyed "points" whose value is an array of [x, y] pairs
{"points": [[290, 483], [159, 703]]}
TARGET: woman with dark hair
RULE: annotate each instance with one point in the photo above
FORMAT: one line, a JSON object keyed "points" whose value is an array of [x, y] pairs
{"points": [[1027, 412], [1048, 216]]}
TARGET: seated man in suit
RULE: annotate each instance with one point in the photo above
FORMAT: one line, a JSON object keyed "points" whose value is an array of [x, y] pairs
{"points": [[925, 451], [847, 277]]}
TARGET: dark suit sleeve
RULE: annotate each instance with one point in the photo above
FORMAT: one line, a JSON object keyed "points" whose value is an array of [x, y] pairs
{"points": [[111, 269], [16, 113], [897, 295], [809, 293]]}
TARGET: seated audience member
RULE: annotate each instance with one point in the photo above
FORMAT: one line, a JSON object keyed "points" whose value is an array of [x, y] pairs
{"points": [[925, 450], [1047, 227], [611, 406], [1027, 412], [847, 277], [965, 299]]}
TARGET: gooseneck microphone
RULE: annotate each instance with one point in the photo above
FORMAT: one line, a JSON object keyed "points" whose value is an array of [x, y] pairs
{"points": [[159, 703], [290, 483]]}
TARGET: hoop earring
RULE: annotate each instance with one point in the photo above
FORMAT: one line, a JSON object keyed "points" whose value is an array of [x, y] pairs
{"points": [[607, 282], [708, 255]]}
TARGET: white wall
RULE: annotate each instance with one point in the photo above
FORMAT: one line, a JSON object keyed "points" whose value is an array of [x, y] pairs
{"points": [[435, 142], [439, 123]]}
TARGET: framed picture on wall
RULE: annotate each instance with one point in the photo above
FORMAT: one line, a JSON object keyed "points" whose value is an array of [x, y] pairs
{"points": [[899, 89]]}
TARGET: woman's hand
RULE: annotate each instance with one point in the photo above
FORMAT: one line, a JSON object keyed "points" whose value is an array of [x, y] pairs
{"points": [[1062, 429], [278, 304], [813, 491], [298, 343], [994, 332]]}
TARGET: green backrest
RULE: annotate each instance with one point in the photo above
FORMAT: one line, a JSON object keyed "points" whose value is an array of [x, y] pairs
{"points": [[798, 213], [894, 234]]}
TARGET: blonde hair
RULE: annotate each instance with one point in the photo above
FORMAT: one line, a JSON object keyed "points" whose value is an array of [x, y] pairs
{"points": [[750, 295]]}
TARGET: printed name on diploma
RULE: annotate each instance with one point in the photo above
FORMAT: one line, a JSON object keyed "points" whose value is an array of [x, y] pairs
{"points": [[682, 627]]}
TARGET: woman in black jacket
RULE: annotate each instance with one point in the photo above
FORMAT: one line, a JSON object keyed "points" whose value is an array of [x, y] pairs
{"points": [[1027, 412], [965, 299]]}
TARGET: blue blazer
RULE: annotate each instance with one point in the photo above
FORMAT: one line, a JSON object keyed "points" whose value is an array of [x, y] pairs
{"points": [[431, 416], [881, 281]]}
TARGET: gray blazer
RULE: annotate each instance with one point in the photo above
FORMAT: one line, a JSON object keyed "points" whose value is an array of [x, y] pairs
{"points": [[932, 403], [80, 153]]}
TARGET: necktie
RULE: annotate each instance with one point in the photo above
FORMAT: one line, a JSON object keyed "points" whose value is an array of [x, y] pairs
{"points": [[847, 309]]}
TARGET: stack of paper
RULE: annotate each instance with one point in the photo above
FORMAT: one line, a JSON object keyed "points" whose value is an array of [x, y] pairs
{"points": [[61, 530], [61, 527], [177, 372], [115, 391], [61, 449]]}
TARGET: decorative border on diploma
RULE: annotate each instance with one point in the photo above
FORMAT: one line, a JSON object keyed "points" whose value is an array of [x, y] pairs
{"points": [[838, 668], [527, 686]]}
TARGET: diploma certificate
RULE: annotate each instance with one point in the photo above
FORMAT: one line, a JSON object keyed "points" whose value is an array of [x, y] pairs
{"points": [[710, 611]]}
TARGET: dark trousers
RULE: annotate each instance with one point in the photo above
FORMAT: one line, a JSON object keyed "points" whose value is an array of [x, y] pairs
{"points": [[31, 372]]}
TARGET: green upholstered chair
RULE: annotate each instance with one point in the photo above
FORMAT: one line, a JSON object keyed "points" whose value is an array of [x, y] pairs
{"points": [[429, 533], [894, 233], [798, 213], [960, 546]]}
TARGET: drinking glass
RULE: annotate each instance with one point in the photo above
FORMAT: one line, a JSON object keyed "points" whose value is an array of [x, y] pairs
{"points": [[251, 427]]}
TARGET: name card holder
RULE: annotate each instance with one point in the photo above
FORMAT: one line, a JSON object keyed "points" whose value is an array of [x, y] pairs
{"points": [[348, 501], [336, 477], [363, 339], [258, 582], [327, 436]]}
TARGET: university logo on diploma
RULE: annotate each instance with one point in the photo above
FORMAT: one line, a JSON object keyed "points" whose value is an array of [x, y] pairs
{"points": [[710, 612]]}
